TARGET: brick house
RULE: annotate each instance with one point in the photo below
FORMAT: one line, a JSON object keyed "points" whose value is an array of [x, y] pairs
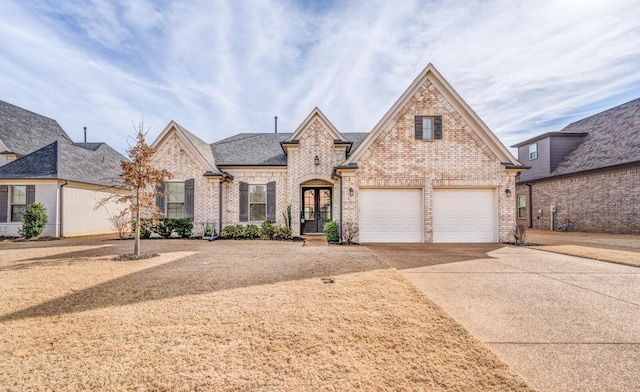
{"points": [[429, 171], [586, 175], [40, 163]]}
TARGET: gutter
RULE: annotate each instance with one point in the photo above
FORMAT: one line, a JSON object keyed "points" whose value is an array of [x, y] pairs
{"points": [[60, 209], [530, 204]]}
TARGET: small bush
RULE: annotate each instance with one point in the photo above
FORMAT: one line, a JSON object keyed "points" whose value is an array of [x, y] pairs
{"points": [[145, 228], [251, 232], [164, 227], [232, 232], [267, 230], [350, 231], [122, 224], [183, 227], [281, 233], [35, 220], [520, 232], [331, 231]]}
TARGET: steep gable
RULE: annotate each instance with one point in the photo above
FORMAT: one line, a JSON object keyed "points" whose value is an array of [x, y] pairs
{"points": [[430, 85], [198, 149], [316, 116]]}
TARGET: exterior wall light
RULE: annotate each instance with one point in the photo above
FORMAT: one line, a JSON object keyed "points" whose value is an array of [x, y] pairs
{"points": [[508, 192], [350, 191], [317, 161]]}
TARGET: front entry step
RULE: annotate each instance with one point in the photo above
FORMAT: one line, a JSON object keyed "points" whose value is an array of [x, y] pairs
{"points": [[315, 240]]}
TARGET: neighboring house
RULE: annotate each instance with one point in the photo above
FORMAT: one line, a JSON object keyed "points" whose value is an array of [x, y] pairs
{"points": [[429, 171], [42, 164], [586, 175]]}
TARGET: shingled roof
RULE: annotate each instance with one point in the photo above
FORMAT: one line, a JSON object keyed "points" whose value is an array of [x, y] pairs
{"points": [[612, 138], [261, 149], [22, 131], [65, 161]]}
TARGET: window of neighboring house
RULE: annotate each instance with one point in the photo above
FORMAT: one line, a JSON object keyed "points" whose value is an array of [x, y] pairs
{"points": [[522, 207], [18, 202], [175, 200], [257, 202], [533, 151]]}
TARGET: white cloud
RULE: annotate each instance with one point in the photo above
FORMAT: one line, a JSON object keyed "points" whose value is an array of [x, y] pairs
{"points": [[219, 68]]}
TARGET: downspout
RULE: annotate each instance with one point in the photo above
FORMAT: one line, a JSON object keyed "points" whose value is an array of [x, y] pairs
{"points": [[220, 206], [530, 204], [340, 227], [60, 214]]}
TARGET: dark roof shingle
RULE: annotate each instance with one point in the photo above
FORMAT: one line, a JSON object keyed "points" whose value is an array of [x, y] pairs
{"points": [[612, 138]]}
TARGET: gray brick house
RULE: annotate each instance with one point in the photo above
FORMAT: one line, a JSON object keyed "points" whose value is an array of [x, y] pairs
{"points": [[40, 163], [586, 175], [429, 171]]}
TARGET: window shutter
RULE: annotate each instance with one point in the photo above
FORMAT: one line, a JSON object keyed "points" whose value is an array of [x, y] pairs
{"points": [[437, 127], [4, 202], [271, 201], [188, 198], [418, 120], [244, 202], [31, 195], [160, 197]]}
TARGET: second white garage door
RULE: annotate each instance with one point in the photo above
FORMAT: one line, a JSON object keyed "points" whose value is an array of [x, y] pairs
{"points": [[391, 215], [465, 215]]}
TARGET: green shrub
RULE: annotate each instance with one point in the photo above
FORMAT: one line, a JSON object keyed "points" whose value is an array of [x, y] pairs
{"points": [[232, 232], [282, 233], [251, 232], [35, 220], [145, 228], [164, 227], [331, 231], [183, 227], [267, 230]]}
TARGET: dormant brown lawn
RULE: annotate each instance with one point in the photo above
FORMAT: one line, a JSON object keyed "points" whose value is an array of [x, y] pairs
{"points": [[226, 316]]}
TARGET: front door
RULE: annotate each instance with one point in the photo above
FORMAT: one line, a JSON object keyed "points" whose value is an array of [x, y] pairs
{"points": [[316, 208]]}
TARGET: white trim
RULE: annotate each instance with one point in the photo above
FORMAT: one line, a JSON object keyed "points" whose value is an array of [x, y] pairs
{"points": [[333, 131], [430, 73], [177, 129]]}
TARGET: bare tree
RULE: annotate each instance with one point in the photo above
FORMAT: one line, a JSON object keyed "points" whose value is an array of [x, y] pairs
{"points": [[520, 232], [140, 177], [122, 223]]}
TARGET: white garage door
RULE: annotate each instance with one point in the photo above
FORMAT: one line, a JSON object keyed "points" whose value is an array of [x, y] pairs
{"points": [[465, 215], [391, 215]]}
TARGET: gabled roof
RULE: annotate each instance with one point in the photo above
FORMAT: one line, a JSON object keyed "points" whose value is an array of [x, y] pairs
{"points": [[316, 113], [199, 148], [430, 73], [65, 161], [261, 149], [22, 131], [612, 139]]}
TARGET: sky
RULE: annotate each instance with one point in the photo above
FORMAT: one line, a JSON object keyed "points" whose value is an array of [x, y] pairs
{"points": [[219, 68]]}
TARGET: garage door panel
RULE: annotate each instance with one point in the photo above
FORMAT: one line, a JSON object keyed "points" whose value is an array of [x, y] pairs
{"points": [[464, 215], [391, 215]]}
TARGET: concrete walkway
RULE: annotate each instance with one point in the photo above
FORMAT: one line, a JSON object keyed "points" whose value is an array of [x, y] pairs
{"points": [[563, 323]]}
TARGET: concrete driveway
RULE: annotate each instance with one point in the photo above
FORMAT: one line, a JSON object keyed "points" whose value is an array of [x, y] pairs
{"points": [[564, 323]]}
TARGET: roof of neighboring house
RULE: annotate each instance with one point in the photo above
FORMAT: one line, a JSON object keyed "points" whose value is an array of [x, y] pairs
{"points": [[612, 138], [67, 161], [261, 149], [22, 131]]}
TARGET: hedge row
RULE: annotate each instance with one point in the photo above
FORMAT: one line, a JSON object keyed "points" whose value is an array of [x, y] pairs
{"points": [[266, 231], [166, 227]]}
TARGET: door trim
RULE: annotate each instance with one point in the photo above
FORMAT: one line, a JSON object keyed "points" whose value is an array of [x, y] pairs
{"points": [[316, 208]]}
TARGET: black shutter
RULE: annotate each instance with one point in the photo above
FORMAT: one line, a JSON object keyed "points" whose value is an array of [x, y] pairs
{"points": [[437, 127], [188, 199], [160, 190], [271, 201], [418, 120], [31, 195], [4, 202], [244, 202]]}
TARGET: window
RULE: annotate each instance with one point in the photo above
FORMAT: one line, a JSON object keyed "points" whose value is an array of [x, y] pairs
{"points": [[175, 200], [428, 127], [522, 207], [18, 202], [533, 151], [257, 202]]}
